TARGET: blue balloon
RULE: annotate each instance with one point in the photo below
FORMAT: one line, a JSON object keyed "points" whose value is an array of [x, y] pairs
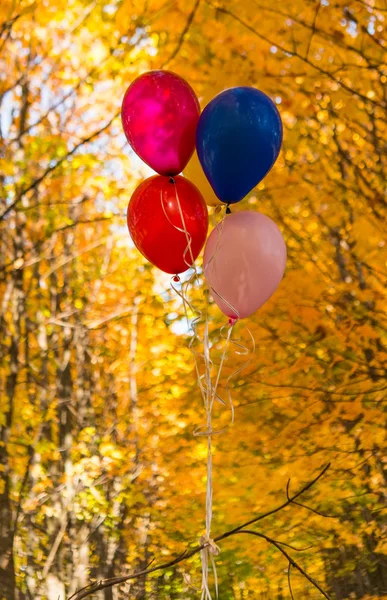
{"points": [[238, 140]]}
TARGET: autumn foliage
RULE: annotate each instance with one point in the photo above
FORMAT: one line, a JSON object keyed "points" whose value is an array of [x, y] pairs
{"points": [[99, 470]]}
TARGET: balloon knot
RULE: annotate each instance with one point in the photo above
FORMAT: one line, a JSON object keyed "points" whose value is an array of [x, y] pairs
{"points": [[210, 545], [232, 321], [171, 180], [176, 278], [228, 210]]}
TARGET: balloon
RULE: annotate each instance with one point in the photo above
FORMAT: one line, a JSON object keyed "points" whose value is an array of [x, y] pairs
{"points": [[159, 113], [156, 224], [195, 173], [238, 140], [244, 261]]}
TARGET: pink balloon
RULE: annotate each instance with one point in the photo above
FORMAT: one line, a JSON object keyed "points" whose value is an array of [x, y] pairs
{"points": [[159, 113], [244, 262]]}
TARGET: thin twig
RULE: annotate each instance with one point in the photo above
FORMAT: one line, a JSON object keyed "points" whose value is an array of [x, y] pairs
{"points": [[183, 35], [317, 512], [289, 582], [275, 510], [290, 559], [313, 510], [313, 30], [294, 548], [54, 549]]}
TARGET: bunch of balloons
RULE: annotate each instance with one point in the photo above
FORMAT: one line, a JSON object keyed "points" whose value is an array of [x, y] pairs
{"points": [[238, 137]]}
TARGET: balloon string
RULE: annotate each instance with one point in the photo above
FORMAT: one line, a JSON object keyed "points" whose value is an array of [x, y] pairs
{"points": [[211, 550], [207, 388], [241, 349], [183, 229], [212, 396], [205, 385], [183, 294], [192, 325], [186, 285]]}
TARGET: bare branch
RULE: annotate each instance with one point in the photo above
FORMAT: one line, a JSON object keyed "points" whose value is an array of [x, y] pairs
{"points": [[313, 29], [275, 510], [289, 582], [290, 559], [320, 514], [313, 510], [183, 35], [52, 168], [6, 29], [105, 583]]}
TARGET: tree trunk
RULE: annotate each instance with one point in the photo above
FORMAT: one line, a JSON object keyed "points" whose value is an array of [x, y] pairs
{"points": [[7, 568]]}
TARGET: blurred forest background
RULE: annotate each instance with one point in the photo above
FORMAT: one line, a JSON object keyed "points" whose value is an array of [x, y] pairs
{"points": [[99, 470]]}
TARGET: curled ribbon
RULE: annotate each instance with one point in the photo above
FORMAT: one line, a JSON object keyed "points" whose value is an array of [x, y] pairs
{"points": [[207, 387]]}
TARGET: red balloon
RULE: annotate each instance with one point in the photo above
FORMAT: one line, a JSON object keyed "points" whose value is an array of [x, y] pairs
{"points": [[159, 113], [157, 225]]}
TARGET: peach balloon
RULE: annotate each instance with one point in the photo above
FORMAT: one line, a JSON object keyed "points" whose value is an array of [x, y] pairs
{"points": [[244, 262]]}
